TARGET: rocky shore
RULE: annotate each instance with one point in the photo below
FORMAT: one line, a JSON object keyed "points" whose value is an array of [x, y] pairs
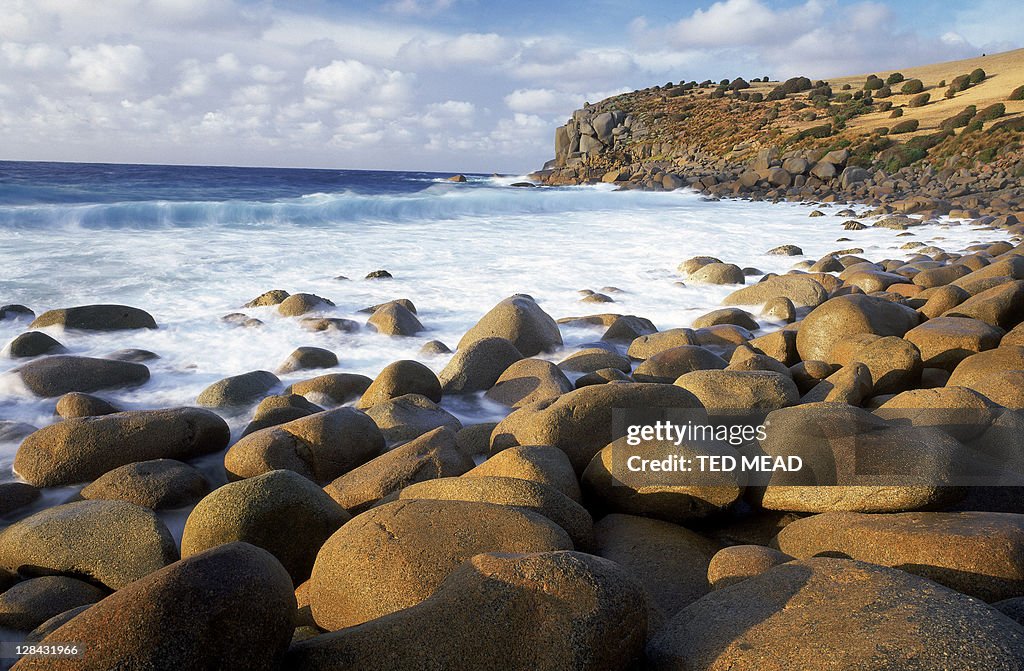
{"points": [[355, 523]]}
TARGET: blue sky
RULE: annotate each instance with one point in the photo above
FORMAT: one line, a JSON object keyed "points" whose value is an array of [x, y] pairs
{"points": [[448, 85]]}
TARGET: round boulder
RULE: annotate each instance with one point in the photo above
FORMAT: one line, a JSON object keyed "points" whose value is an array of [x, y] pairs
{"points": [[400, 378], [851, 315], [519, 320], [28, 604], [528, 381], [478, 365], [306, 358], [60, 374], [156, 484], [238, 390], [96, 318]]}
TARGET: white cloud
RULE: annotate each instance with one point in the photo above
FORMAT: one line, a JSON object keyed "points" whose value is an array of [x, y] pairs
{"points": [[350, 81], [740, 22], [460, 50], [106, 67], [418, 7]]}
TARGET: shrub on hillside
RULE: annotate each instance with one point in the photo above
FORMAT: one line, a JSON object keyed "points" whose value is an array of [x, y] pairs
{"points": [[896, 113], [912, 86], [883, 92], [873, 83], [959, 120], [977, 76], [894, 78], [885, 106], [926, 142], [791, 85], [960, 83], [992, 112], [907, 126], [920, 100], [756, 97], [739, 83], [1017, 93]]}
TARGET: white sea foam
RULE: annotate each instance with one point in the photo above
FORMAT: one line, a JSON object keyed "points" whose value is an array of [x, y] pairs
{"points": [[453, 252]]}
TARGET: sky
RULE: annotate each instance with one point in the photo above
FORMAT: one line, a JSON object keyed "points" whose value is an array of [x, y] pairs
{"points": [[443, 85]]}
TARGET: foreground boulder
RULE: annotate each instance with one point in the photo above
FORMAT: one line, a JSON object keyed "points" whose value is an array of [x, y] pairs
{"points": [[85, 448], [410, 416], [519, 320], [670, 561], [435, 454], [740, 390], [849, 315], [394, 319], [280, 511], [107, 542], [580, 422], [876, 618], [280, 409], [58, 375], [96, 318], [736, 563], [478, 365], [541, 499], [33, 343], [229, 608], [155, 484], [395, 556], [975, 553], [528, 381], [400, 378], [77, 404], [549, 611], [803, 291], [540, 463], [332, 388], [320, 447]]}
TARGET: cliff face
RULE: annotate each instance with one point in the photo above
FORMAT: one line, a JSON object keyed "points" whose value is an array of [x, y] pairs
{"points": [[953, 137]]}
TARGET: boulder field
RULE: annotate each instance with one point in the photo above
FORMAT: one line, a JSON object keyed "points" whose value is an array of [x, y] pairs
{"points": [[346, 522]]}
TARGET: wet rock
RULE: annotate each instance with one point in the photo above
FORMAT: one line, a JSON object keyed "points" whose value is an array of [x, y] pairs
{"points": [[432, 455], [378, 275], [602, 376], [272, 297], [538, 612], [690, 266], [297, 305], [58, 375], [528, 381], [400, 378], [780, 309], [133, 355], [801, 290], [33, 343], [306, 358], [718, 273], [240, 611], [434, 348], [976, 553], [410, 416], [883, 617], [725, 390], [626, 328], [592, 359], [319, 447], [280, 511], [77, 404], [519, 320], [96, 318], [108, 542], [727, 316], [274, 410], [404, 302], [394, 319], [238, 391], [14, 495], [319, 324], [15, 312], [478, 365], [394, 556], [334, 387], [646, 346], [157, 484], [80, 449], [785, 250]]}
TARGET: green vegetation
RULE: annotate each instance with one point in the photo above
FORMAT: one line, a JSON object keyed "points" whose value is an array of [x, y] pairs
{"points": [[894, 78], [1017, 93], [912, 86], [992, 112], [977, 76], [908, 126], [920, 100]]}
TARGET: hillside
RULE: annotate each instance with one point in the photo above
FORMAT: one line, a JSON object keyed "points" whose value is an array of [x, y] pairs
{"points": [[937, 120]]}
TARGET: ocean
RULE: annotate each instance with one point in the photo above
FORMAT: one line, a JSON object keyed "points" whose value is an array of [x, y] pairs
{"points": [[191, 244]]}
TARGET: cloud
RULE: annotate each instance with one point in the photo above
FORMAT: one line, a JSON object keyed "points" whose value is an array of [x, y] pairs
{"points": [[105, 67], [350, 81], [418, 7], [743, 22], [460, 50]]}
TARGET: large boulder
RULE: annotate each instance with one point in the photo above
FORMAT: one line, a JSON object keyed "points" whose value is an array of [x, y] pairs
{"points": [[320, 447], [280, 409], [433, 455], [740, 390], [666, 366], [975, 369], [400, 378], [60, 374], [617, 480], [528, 494], [96, 318], [593, 359], [33, 343], [802, 290], [394, 319], [946, 341], [836, 614], [894, 363], [410, 416], [1001, 306], [853, 460], [580, 422], [670, 561], [478, 365], [28, 604], [718, 273], [519, 320], [540, 463], [736, 563], [851, 315], [528, 381], [395, 556], [238, 391], [306, 358], [547, 611], [299, 304], [280, 511], [646, 346], [155, 484], [110, 543], [78, 404], [229, 608], [79, 449], [976, 553]]}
